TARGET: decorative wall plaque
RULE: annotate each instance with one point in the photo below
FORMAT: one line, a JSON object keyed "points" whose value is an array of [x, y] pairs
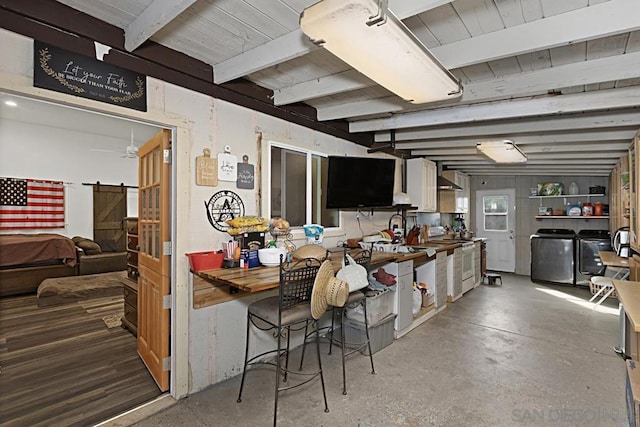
{"points": [[67, 72], [222, 206]]}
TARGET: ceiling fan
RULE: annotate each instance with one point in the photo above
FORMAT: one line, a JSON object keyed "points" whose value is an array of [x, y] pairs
{"points": [[130, 152]]}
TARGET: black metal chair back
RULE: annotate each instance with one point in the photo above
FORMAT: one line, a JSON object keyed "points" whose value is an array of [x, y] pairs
{"points": [[296, 281], [363, 258]]}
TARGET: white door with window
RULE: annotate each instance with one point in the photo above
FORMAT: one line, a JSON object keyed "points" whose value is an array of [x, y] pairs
{"points": [[496, 221]]}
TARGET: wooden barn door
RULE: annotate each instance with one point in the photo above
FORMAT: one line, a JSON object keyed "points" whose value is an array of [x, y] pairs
{"points": [[154, 180], [109, 210]]}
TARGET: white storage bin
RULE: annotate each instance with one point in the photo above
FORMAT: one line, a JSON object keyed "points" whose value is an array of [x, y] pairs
{"points": [[380, 334], [379, 306]]}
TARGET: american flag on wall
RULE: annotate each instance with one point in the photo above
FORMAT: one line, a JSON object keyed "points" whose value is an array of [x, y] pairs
{"points": [[31, 204]]}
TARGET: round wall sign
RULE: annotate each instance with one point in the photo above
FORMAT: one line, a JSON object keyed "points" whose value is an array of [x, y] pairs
{"points": [[222, 206]]}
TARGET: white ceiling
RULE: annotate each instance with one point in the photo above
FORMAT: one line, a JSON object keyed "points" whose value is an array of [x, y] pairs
{"points": [[42, 113], [559, 78]]}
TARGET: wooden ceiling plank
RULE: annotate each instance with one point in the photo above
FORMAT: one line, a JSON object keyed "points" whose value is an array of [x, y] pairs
{"points": [[155, 16], [582, 102], [479, 17], [612, 17], [530, 83]]}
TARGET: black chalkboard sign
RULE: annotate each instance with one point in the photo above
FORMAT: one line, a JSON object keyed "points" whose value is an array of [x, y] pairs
{"points": [[246, 174], [67, 72]]}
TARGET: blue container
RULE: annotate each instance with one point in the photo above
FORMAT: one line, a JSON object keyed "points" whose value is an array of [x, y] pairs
{"points": [[251, 259]]}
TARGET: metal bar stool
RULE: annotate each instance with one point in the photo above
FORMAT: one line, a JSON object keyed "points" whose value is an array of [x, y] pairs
{"points": [[290, 310], [355, 298]]}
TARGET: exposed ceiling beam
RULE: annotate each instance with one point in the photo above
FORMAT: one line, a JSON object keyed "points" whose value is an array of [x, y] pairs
{"points": [[536, 172], [155, 16], [620, 118], [535, 156], [324, 86], [295, 44], [276, 51], [530, 83], [579, 102], [529, 149], [404, 9], [551, 139], [532, 162]]}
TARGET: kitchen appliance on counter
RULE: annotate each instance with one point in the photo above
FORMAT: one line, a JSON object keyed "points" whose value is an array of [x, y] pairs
{"points": [[588, 262], [621, 242], [553, 256]]}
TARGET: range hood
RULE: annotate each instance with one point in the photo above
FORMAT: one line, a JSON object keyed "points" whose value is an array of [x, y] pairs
{"points": [[445, 184]]}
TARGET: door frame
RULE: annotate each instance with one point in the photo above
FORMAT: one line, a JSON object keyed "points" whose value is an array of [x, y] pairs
{"points": [[180, 302]]}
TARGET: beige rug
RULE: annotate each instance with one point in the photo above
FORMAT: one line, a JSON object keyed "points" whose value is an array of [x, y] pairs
{"points": [[113, 320]]}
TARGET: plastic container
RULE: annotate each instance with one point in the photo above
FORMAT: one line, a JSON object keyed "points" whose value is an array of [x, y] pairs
{"points": [[209, 260], [380, 334], [587, 209], [597, 209], [379, 306], [574, 209]]}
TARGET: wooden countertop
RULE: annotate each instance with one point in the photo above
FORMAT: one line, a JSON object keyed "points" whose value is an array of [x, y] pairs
{"points": [[226, 284], [264, 278], [612, 259], [629, 296]]}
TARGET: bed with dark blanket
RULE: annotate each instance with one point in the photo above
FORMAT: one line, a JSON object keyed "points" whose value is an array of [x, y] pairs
{"points": [[27, 259]]}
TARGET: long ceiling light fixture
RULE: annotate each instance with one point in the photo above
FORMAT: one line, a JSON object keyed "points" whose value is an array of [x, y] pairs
{"points": [[372, 40], [504, 151]]}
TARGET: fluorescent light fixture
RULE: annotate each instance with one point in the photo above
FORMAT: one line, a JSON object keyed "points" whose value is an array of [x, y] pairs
{"points": [[503, 151], [372, 40], [11, 103]]}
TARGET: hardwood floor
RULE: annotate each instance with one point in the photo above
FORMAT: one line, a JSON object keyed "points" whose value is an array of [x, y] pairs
{"points": [[62, 366]]}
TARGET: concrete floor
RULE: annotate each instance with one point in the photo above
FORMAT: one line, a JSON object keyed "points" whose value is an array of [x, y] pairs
{"points": [[520, 354]]}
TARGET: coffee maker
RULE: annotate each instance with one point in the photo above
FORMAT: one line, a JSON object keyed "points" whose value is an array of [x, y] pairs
{"points": [[621, 242]]}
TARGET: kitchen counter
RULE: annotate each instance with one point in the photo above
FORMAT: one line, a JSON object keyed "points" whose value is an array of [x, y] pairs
{"points": [[226, 284]]}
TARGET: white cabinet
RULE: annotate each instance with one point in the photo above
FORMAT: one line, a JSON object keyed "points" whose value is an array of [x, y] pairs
{"points": [[455, 201], [422, 188], [441, 279], [404, 296], [454, 275]]}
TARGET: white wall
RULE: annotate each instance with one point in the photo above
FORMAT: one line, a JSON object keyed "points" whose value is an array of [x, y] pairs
{"points": [[44, 152], [215, 335]]}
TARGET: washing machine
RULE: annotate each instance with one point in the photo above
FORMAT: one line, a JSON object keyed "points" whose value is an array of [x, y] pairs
{"points": [[553, 256], [588, 262]]}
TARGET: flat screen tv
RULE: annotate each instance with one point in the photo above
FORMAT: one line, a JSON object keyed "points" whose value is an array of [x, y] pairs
{"points": [[360, 182]]}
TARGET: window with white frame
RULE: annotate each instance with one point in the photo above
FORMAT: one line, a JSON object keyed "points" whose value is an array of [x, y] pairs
{"points": [[495, 210], [297, 179]]}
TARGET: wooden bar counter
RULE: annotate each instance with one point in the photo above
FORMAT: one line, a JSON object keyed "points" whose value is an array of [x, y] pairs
{"points": [[227, 284], [629, 296]]}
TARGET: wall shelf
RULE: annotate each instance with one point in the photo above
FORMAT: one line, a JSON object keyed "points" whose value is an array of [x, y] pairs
{"points": [[585, 217], [568, 196]]}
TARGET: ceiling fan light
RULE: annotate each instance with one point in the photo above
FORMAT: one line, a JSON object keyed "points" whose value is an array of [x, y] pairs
{"points": [[503, 151], [387, 52]]}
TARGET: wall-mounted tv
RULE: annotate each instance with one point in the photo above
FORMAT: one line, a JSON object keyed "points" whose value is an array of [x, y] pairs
{"points": [[360, 182]]}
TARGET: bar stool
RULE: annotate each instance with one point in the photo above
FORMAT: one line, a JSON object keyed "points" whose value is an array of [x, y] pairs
{"points": [[355, 298], [289, 310]]}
